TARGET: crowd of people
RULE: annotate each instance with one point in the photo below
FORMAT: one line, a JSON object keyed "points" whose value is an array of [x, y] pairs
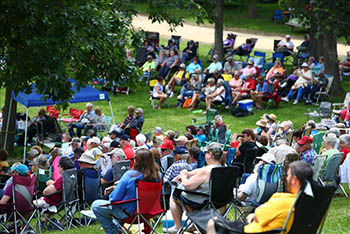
{"points": [[234, 80]]}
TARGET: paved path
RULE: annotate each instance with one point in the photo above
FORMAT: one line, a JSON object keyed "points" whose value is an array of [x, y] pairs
{"points": [[206, 34]]}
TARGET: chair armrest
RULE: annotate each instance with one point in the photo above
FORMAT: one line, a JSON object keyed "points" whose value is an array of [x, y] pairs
{"points": [[47, 195], [191, 192], [119, 202], [337, 104]]}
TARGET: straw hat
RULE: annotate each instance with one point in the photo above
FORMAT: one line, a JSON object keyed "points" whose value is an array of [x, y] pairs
{"points": [[87, 158], [262, 122]]}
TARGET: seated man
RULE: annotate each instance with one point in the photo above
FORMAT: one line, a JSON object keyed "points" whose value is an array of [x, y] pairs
{"points": [[217, 95], [228, 43], [169, 64], [262, 92], [221, 128], [84, 119], [180, 77], [189, 88], [281, 149], [304, 148], [285, 46], [116, 155], [138, 121], [128, 118], [230, 66], [214, 66], [273, 213], [97, 123], [189, 52], [87, 168], [249, 190], [180, 163], [303, 50], [148, 67]]}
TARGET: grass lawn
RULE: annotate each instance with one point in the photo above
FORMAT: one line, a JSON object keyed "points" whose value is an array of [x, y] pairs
{"points": [[176, 119], [235, 17]]}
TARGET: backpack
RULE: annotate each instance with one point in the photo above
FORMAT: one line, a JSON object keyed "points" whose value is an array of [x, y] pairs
{"points": [[239, 112]]}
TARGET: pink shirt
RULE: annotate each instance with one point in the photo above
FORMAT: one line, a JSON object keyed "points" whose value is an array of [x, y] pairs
{"points": [[236, 83], [248, 71], [56, 171]]}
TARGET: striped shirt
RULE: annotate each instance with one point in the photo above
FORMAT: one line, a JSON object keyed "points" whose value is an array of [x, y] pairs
{"points": [[175, 169]]}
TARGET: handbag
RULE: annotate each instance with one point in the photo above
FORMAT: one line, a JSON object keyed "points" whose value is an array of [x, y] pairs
{"points": [[187, 103]]}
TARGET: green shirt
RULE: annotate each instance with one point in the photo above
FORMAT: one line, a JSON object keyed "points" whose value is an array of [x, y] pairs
{"points": [[329, 153], [148, 65]]}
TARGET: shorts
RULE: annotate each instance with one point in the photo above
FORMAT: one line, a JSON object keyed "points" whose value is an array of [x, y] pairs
{"points": [[190, 203], [218, 98]]}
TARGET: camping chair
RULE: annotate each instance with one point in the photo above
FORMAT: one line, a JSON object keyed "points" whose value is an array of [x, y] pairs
{"points": [[67, 209], [259, 59], [177, 40], [119, 168], [310, 212], [152, 83], [227, 145], [323, 111], [307, 131], [268, 182], [210, 117], [246, 54], [229, 156], [325, 91], [331, 171], [153, 37], [148, 205], [317, 141], [222, 182], [90, 189], [277, 16], [21, 209], [52, 111], [246, 161], [42, 176], [337, 107], [141, 56], [316, 166], [290, 137]]}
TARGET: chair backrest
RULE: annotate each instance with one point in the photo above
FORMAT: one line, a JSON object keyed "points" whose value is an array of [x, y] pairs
{"points": [[153, 37], [317, 141], [149, 197], [270, 172], [231, 152], [119, 168], [254, 41], [307, 131], [141, 55], [325, 107], [275, 43], [23, 192], [332, 166], [75, 113], [310, 211], [177, 40], [278, 56], [201, 159], [249, 156], [278, 13], [290, 137], [69, 185], [91, 183], [316, 165], [211, 113], [108, 121], [42, 176], [346, 99], [222, 182], [53, 112], [330, 82], [265, 190], [260, 54]]}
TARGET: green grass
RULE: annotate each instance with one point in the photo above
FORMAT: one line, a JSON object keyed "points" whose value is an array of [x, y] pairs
{"points": [[176, 119], [235, 18]]}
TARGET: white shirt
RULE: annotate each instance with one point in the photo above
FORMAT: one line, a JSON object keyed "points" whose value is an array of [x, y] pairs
{"points": [[301, 81], [289, 45]]}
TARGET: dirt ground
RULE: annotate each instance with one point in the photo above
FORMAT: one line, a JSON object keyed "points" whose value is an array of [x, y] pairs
{"points": [[206, 34]]}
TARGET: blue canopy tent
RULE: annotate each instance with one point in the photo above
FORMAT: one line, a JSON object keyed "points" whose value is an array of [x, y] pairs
{"points": [[86, 94]]}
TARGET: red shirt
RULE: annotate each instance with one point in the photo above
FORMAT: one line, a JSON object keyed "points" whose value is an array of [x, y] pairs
{"points": [[345, 151], [129, 153], [56, 198]]}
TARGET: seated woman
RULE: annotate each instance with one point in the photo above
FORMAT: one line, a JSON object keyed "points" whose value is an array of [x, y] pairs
{"points": [[161, 59], [344, 144], [97, 123], [304, 80], [144, 168], [34, 124], [262, 92], [244, 48], [158, 91], [330, 140], [53, 191], [189, 88], [170, 63], [277, 68], [197, 96], [245, 90], [191, 68], [217, 95], [236, 82], [149, 47], [197, 179]]}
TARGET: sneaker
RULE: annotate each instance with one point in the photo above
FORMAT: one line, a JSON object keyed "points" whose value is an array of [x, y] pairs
{"points": [[285, 99], [166, 88], [170, 230], [295, 102], [171, 94], [179, 97]]}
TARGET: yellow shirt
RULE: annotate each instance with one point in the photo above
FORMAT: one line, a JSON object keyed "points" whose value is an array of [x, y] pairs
{"points": [[179, 74], [4, 164], [273, 213]]}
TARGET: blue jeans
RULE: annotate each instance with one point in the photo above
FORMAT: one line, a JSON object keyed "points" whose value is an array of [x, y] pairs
{"points": [[79, 128], [299, 94], [1, 193], [103, 215]]}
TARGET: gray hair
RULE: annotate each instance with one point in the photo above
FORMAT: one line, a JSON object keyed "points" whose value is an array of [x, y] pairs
{"points": [[330, 139], [218, 117], [345, 138], [140, 139], [334, 131]]}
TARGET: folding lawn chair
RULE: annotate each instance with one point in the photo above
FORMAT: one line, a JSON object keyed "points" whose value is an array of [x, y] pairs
{"points": [[42, 176], [148, 206], [246, 161], [119, 168], [21, 210], [222, 182], [317, 141], [210, 117], [69, 206], [310, 210], [331, 171], [316, 166]]}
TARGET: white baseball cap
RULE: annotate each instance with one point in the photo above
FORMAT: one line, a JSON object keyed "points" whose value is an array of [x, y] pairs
{"points": [[95, 140], [268, 158]]}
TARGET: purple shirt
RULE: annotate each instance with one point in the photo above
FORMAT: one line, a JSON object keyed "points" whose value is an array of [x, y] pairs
{"points": [[229, 42], [308, 155]]}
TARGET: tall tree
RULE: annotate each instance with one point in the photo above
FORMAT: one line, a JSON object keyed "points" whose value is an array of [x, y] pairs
{"points": [[252, 9], [328, 20]]}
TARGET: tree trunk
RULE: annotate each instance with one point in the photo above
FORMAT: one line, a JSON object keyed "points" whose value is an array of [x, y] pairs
{"points": [[10, 138], [252, 9], [331, 63], [219, 28], [316, 44]]}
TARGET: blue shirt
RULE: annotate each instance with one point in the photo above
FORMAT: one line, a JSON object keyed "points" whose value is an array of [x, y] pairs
{"points": [[201, 138], [265, 88], [191, 67], [109, 175], [126, 189]]}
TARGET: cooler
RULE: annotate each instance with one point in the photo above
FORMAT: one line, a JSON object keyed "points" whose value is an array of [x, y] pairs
{"points": [[168, 220], [246, 105]]}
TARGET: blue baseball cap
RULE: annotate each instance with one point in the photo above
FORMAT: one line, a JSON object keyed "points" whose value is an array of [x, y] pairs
{"points": [[180, 150], [21, 169]]}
